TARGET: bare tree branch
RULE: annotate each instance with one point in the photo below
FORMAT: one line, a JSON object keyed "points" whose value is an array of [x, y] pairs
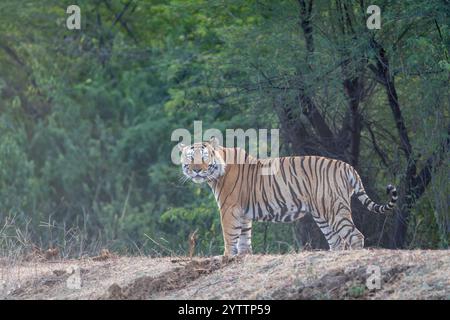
{"points": [[377, 148], [119, 16]]}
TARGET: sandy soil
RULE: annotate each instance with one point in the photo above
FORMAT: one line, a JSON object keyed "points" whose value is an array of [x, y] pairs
{"points": [[417, 274]]}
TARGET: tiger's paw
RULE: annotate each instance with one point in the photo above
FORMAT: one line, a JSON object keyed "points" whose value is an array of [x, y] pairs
{"points": [[245, 251], [229, 258]]}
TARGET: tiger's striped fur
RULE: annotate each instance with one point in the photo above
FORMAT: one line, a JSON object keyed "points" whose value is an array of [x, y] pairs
{"points": [[313, 185]]}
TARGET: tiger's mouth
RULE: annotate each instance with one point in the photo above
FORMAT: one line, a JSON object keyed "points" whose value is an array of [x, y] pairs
{"points": [[198, 179]]}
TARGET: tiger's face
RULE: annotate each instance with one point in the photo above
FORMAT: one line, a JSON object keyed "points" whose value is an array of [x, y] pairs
{"points": [[200, 161]]}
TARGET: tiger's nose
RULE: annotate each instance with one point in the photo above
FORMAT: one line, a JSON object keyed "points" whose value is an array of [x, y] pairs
{"points": [[196, 170]]}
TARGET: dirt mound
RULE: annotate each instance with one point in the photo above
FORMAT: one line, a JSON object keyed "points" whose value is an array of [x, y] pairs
{"points": [[405, 274], [146, 287], [339, 284]]}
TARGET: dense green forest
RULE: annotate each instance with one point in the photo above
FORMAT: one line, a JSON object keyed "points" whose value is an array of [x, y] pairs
{"points": [[86, 115]]}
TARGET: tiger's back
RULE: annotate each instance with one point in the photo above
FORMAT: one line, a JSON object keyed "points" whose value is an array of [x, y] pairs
{"points": [[301, 185]]}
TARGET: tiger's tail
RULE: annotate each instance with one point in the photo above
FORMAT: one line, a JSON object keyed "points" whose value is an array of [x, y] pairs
{"points": [[362, 196]]}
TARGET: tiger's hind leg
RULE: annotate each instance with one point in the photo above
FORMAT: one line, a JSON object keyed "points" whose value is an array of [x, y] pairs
{"points": [[343, 225], [356, 239], [334, 240]]}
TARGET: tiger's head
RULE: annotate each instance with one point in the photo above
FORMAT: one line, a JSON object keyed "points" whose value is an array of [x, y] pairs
{"points": [[202, 161]]}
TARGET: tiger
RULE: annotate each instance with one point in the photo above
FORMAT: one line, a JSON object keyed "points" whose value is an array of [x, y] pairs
{"points": [[315, 185]]}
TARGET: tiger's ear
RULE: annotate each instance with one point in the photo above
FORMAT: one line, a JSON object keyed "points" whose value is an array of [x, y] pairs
{"points": [[214, 142], [181, 146]]}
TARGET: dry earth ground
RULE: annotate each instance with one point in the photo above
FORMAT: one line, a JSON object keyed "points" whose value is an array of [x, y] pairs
{"points": [[417, 274]]}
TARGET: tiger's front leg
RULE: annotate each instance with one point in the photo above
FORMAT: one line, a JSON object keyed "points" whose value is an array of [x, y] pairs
{"points": [[245, 239], [231, 229]]}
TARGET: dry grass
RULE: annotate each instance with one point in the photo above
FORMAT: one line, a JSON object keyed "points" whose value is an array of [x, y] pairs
{"points": [[47, 280], [417, 274]]}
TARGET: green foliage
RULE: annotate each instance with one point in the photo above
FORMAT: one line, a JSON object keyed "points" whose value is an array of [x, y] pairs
{"points": [[86, 116], [16, 186], [356, 291]]}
